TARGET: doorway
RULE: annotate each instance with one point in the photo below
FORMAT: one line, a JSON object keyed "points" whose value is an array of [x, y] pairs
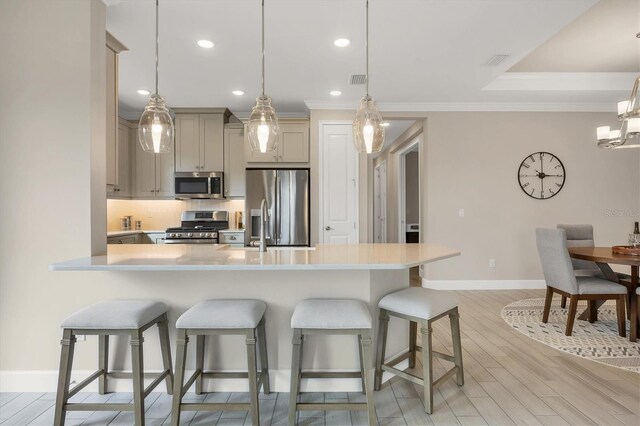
{"points": [[409, 194], [380, 202]]}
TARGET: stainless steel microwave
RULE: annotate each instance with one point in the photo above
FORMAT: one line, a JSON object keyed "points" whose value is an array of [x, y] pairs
{"points": [[199, 185]]}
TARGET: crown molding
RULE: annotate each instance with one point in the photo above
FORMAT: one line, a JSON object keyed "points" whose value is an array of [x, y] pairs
{"points": [[563, 81], [467, 106]]}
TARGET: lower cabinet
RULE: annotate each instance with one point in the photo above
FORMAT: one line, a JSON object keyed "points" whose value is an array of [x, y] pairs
{"points": [[233, 238], [123, 239]]}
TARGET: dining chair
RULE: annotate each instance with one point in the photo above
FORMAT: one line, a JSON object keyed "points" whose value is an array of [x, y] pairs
{"points": [[560, 278]]}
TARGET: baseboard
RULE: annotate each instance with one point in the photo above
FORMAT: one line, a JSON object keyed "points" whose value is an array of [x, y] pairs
{"points": [[46, 381], [483, 284]]}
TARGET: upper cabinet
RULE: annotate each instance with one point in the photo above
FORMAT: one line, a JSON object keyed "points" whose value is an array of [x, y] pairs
{"points": [[234, 170], [293, 145], [113, 49], [126, 137], [153, 174], [199, 143]]}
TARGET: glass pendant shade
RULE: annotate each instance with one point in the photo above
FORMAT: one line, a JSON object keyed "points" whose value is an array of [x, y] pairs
{"points": [[629, 117], [263, 126], [368, 132], [155, 129]]}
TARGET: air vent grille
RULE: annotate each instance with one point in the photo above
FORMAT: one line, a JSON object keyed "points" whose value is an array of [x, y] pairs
{"points": [[357, 79], [496, 60]]}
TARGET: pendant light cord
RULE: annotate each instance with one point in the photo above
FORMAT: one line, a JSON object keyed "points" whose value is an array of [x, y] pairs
{"points": [[366, 47], [157, 43], [263, 48]]}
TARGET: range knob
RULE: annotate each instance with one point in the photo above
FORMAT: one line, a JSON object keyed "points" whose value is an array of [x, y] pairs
{"points": [[172, 235], [190, 234], [207, 235], [202, 234]]}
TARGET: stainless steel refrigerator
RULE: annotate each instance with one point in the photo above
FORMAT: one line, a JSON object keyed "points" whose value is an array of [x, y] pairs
{"points": [[286, 192]]}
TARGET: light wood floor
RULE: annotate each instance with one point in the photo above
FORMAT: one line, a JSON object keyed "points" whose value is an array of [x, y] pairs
{"points": [[509, 379]]}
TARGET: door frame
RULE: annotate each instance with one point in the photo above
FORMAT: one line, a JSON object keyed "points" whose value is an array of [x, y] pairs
{"points": [[380, 199], [321, 124], [402, 185]]}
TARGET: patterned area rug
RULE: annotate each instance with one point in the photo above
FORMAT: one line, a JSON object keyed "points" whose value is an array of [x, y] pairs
{"points": [[598, 341]]}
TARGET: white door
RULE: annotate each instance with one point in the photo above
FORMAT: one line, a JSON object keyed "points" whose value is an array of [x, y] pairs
{"points": [[380, 202], [338, 185]]}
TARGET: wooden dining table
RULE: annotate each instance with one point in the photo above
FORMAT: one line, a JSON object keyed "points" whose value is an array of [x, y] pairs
{"points": [[604, 257]]}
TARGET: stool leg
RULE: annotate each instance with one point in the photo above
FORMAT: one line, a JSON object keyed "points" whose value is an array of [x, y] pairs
{"points": [[264, 361], [296, 358], [64, 376], [199, 362], [363, 370], [427, 370], [252, 363], [365, 354], [563, 302], [457, 345], [137, 367], [178, 380], [103, 363], [381, 346], [413, 337], [165, 348]]}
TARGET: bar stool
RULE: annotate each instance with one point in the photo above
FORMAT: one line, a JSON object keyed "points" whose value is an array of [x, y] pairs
{"points": [[419, 305], [115, 317], [331, 316], [221, 317]]}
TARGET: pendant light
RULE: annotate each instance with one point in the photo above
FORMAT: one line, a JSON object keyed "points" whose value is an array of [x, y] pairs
{"points": [[368, 132], [629, 118], [263, 122], [155, 129]]}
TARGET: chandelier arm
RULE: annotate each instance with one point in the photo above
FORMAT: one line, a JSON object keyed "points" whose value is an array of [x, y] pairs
{"points": [[157, 43]]}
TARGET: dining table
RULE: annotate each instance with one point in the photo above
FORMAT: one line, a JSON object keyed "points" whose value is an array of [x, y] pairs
{"points": [[604, 257]]}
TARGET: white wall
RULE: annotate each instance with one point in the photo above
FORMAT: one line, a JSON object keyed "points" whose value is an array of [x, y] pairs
{"points": [[471, 162]]}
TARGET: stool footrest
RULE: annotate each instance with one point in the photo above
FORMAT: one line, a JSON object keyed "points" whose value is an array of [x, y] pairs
{"points": [[331, 406], [398, 359], [215, 406], [156, 382], [98, 407], [85, 382], [403, 374], [192, 379], [330, 375], [443, 356], [445, 376]]}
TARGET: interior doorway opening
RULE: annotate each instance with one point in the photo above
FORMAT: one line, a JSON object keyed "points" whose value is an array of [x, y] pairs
{"points": [[409, 193]]}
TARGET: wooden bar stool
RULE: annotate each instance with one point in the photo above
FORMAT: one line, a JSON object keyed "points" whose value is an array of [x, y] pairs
{"points": [[331, 316], [115, 317], [419, 306], [221, 317]]}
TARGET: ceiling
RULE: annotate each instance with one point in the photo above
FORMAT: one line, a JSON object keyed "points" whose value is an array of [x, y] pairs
{"points": [[421, 52]]}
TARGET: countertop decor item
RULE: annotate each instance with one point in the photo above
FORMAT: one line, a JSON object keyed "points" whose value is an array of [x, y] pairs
{"points": [[155, 129], [263, 122], [628, 250], [541, 175], [368, 131]]}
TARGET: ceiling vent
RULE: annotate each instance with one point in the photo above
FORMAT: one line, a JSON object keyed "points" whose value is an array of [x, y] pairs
{"points": [[496, 60], [357, 79]]}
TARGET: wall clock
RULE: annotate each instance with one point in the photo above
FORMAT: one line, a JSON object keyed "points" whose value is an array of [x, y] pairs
{"points": [[541, 175]]}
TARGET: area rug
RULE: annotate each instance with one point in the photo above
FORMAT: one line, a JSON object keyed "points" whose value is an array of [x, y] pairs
{"points": [[597, 342]]}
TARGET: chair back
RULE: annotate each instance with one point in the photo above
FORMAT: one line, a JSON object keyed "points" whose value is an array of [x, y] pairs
{"points": [[580, 236], [555, 260]]}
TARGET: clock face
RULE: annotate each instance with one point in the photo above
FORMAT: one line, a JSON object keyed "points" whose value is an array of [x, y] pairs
{"points": [[541, 175]]}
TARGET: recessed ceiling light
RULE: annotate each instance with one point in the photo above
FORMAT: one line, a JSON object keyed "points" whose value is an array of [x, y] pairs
{"points": [[386, 124], [238, 92], [335, 93], [205, 44], [143, 92], [342, 42]]}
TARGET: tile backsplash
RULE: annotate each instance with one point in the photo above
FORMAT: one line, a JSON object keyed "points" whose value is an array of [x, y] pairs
{"points": [[161, 214]]}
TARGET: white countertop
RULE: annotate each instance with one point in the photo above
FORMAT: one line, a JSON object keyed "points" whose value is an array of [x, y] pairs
{"points": [[212, 257], [133, 232]]}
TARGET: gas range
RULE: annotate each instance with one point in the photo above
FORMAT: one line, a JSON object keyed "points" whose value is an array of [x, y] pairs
{"points": [[198, 227]]}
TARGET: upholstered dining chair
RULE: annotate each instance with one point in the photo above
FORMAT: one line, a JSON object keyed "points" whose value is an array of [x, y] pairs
{"points": [[560, 278]]}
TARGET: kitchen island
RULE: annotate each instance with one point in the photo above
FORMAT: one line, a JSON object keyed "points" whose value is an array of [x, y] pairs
{"points": [[182, 275]]}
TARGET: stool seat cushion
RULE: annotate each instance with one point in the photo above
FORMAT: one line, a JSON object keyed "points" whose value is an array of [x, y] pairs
{"points": [[418, 302], [331, 314], [223, 313], [116, 314]]}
